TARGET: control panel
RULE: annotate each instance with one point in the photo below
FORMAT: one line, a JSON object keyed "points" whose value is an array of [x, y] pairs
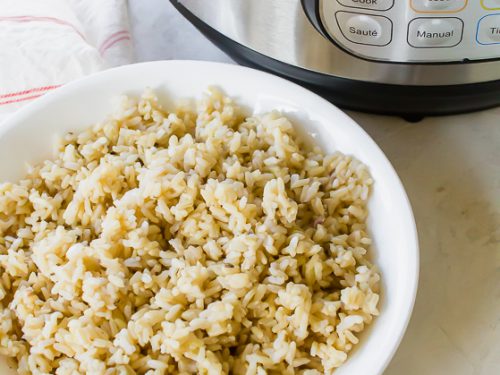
{"points": [[414, 30]]}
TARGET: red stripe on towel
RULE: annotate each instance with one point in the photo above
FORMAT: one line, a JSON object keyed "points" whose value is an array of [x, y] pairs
{"points": [[42, 19], [29, 91], [110, 37], [110, 42], [114, 42], [20, 99]]}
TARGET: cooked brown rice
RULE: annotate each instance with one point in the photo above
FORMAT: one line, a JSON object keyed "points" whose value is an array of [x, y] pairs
{"points": [[193, 241]]}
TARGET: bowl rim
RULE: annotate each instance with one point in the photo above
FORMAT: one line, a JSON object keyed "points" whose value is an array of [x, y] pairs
{"points": [[16, 119]]}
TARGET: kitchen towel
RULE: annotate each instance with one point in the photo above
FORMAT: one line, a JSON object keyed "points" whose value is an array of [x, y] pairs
{"points": [[47, 43]]}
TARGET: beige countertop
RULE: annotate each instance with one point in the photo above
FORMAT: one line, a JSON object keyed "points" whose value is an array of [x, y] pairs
{"points": [[450, 167]]}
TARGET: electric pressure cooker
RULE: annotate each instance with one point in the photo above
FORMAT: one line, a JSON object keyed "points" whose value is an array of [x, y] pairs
{"points": [[410, 57]]}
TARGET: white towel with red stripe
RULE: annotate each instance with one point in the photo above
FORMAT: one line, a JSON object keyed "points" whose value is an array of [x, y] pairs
{"points": [[47, 43]]}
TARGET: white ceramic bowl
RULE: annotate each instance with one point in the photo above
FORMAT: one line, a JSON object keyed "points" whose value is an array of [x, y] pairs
{"points": [[28, 137]]}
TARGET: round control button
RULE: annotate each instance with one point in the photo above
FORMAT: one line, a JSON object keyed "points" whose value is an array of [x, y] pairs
{"points": [[488, 30], [435, 32], [491, 26], [491, 4], [436, 6], [365, 29], [368, 4]]}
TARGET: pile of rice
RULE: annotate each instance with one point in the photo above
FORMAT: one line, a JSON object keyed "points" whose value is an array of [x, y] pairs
{"points": [[193, 241]]}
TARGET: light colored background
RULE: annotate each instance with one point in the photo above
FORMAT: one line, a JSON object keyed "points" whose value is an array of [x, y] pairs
{"points": [[450, 167]]}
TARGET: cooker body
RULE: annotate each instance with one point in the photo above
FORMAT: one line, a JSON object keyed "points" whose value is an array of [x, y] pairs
{"points": [[409, 57]]}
